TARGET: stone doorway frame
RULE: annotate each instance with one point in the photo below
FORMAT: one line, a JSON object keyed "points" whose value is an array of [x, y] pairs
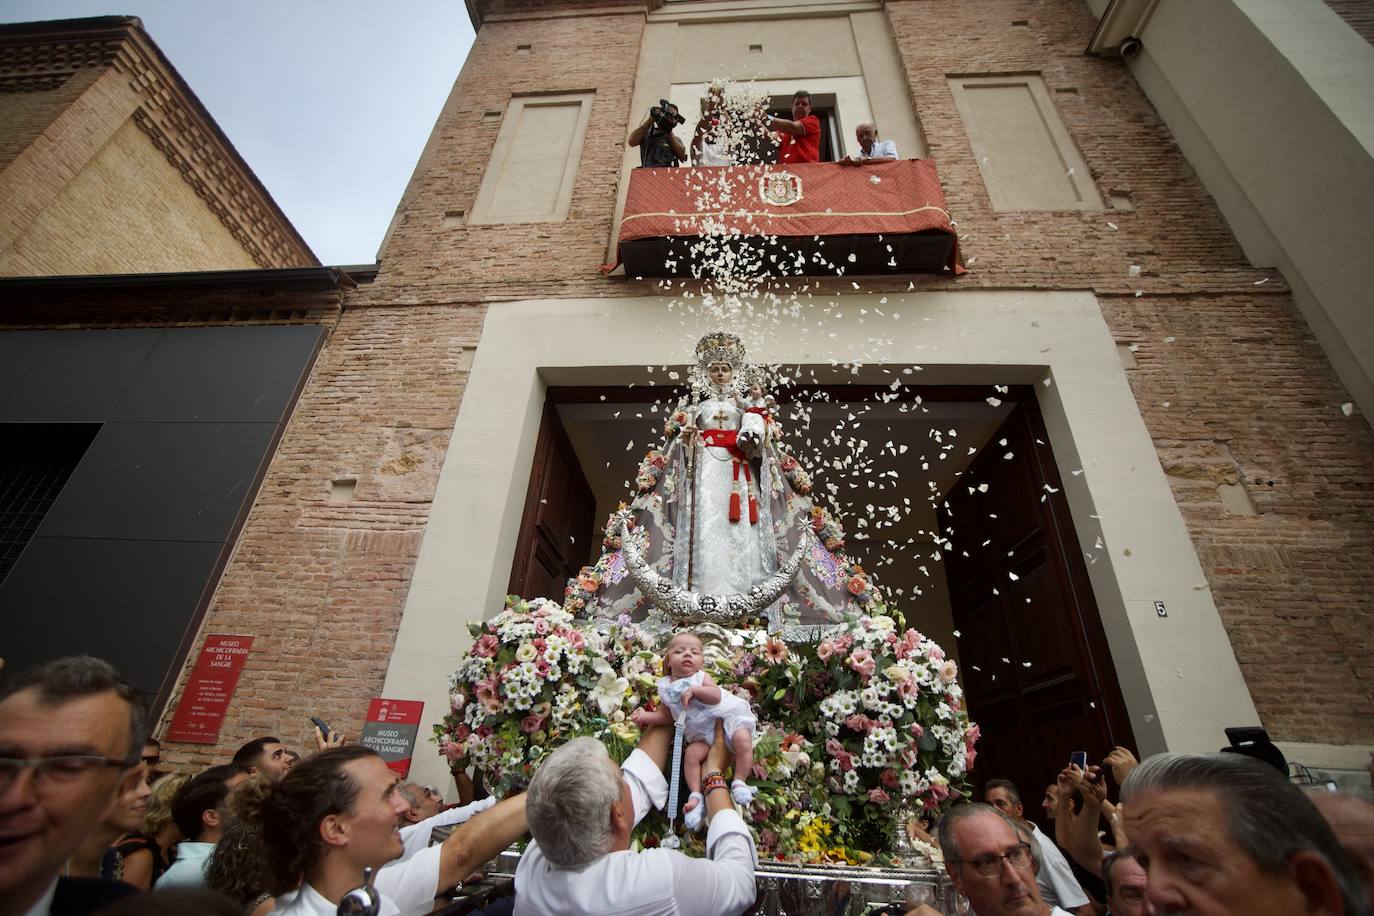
{"points": [[1178, 673]]}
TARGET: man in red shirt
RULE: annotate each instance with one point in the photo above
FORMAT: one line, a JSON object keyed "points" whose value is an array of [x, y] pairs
{"points": [[799, 139]]}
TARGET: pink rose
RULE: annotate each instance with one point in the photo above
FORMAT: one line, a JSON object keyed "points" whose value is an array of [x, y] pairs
{"points": [[936, 654], [861, 661], [531, 724], [889, 778], [948, 672], [825, 649], [541, 626], [458, 701], [487, 646], [916, 730], [454, 751], [575, 639], [878, 796], [857, 585], [789, 463], [588, 582], [910, 755], [833, 747], [859, 723], [846, 761], [908, 688]]}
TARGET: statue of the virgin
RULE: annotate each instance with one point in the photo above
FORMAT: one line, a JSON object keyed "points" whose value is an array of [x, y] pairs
{"points": [[723, 528]]}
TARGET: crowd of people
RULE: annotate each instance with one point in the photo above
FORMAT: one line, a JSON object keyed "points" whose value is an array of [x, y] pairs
{"points": [[91, 822]]}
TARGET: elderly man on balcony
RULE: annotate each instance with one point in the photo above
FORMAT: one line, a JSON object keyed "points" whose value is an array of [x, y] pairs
{"points": [[871, 149]]}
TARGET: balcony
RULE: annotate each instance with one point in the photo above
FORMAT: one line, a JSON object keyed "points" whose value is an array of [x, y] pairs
{"points": [[884, 218]]}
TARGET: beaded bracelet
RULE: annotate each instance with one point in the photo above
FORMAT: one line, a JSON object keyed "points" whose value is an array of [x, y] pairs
{"points": [[713, 782]]}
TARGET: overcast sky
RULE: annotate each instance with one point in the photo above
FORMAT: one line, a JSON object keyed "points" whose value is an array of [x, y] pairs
{"points": [[329, 101]]}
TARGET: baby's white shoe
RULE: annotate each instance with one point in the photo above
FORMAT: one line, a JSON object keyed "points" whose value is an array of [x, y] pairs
{"points": [[693, 818], [741, 792]]}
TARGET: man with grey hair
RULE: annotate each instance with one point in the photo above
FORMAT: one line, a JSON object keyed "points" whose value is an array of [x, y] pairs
{"points": [[1221, 833], [71, 736], [1125, 881], [581, 810], [1054, 875], [871, 149], [427, 812], [991, 863]]}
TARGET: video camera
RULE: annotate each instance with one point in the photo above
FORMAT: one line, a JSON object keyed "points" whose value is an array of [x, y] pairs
{"points": [[666, 116]]}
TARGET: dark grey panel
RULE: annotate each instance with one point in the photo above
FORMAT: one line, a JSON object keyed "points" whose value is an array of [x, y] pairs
{"points": [[161, 481], [128, 602], [19, 350], [81, 375], [226, 373]]}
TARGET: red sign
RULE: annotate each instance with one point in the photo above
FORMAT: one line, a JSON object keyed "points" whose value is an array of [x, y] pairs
{"points": [[208, 690], [391, 729]]}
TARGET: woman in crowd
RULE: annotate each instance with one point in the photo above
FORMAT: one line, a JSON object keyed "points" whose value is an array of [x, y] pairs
{"points": [[95, 857], [147, 853]]}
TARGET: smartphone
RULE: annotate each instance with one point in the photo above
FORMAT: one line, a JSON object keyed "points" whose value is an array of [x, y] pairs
{"points": [[319, 723], [1079, 759]]}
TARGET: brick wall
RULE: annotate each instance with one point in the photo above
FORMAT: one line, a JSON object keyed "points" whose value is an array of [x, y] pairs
{"points": [[1231, 383], [425, 261], [126, 211]]}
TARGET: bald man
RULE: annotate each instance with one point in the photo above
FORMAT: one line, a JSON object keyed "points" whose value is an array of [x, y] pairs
{"points": [[871, 149]]}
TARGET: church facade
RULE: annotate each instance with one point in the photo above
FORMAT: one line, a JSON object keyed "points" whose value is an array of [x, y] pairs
{"points": [[1183, 540]]}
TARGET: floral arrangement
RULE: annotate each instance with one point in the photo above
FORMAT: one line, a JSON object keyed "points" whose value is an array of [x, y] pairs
{"points": [[676, 420], [650, 470], [828, 529], [796, 475], [852, 727], [535, 678]]}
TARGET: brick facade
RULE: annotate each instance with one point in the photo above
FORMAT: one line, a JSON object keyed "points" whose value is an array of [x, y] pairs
{"points": [[1234, 390]]}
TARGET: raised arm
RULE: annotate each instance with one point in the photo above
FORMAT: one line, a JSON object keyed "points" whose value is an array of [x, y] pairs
{"points": [[637, 135], [782, 125], [477, 842]]}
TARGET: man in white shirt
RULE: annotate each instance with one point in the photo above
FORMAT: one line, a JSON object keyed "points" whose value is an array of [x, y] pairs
{"points": [[581, 812], [425, 814], [871, 149], [200, 810], [1058, 886], [990, 864], [338, 812]]}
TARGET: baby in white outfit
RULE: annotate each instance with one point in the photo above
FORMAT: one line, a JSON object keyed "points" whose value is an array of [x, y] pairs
{"points": [[689, 691]]}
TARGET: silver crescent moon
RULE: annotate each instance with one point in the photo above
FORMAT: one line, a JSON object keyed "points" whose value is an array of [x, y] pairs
{"points": [[683, 606]]}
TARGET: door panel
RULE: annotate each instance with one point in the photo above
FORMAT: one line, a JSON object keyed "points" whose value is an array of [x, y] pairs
{"points": [[1036, 667], [559, 519]]}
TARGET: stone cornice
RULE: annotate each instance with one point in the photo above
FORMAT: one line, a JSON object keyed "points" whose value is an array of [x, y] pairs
{"points": [[481, 10], [170, 115]]}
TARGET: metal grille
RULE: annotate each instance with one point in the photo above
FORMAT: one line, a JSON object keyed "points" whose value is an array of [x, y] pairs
{"points": [[35, 462]]}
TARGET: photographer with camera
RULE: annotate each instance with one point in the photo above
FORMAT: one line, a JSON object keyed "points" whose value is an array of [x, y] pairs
{"points": [[658, 147]]}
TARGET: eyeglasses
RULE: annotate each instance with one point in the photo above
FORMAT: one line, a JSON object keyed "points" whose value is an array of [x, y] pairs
{"points": [[431, 792], [990, 865], [56, 770]]}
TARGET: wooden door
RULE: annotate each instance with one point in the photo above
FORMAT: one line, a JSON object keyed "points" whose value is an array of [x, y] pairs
{"points": [[558, 528], [1034, 658]]}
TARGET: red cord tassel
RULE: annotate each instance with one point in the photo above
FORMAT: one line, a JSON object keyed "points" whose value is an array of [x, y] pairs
{"points": [[734, 494], [753, 510]]}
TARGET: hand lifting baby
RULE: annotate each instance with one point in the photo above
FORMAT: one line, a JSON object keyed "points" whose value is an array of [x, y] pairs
{"points": [[689, 690]]}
